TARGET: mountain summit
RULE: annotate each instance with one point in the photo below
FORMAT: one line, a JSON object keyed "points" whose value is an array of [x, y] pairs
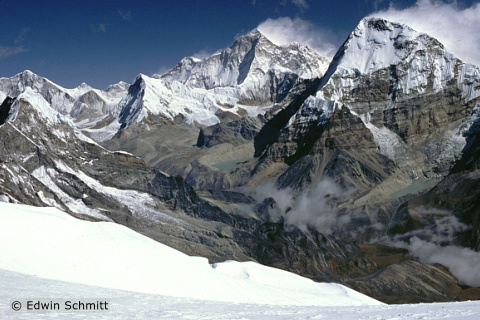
{"points": [[247, 77], [416, 61], [251, 61]]}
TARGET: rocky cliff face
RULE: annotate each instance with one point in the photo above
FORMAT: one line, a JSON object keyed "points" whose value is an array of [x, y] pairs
{"points": [[455, 199], [370, 126], [44, 162]]}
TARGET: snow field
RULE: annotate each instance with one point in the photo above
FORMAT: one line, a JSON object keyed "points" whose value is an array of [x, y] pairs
{"points": [[133, 305], [50, 244]]}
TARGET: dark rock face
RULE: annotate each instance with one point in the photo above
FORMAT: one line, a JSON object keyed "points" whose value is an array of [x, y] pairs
{"points": [[278, 119], [398, 283], [458, 195], [234, 132], [5, 109], [342, 148]]}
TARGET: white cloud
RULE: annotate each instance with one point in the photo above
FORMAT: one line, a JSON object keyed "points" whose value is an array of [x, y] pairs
{"points": [[457, 28], [21, 36], [436, 243], [315, 208], [376, 3], [285, 30], [127, 16], [463, 263], [318, 208], [10, 51], [302, 4], [100, 27], [17, 48], [163, 69]]}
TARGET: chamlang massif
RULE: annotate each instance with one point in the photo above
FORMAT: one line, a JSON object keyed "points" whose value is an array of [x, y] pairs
{"points": [[363, 170]]}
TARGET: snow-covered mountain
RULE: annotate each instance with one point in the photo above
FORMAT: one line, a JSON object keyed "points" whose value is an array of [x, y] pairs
{"points": [[88, 108], [400, 60], [247, 77], [416, 62], [250, 62], [377, 73], [390, 119], [81, 103]]}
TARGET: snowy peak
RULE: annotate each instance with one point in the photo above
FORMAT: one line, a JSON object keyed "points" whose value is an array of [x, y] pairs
{"points": [[416, 61], [84, 107], [246, 61], [17, 84], [117, 88], [378, 43], [63, 100], [250, 75]]}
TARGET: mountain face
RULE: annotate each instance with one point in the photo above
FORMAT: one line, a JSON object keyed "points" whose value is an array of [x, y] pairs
{"points": [[91, 110], [393, 107], [268, 153], [46, 163], [248, 76], [381, 73], [253, 63]]}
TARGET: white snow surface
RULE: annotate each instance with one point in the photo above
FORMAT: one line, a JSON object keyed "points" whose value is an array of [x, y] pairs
{"points": [[50, 244], [76, 205], [39, 103], [133, 305], [389, 143]]}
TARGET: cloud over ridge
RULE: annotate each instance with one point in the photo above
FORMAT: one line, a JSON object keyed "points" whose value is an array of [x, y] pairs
{"points": [[285, 30]]}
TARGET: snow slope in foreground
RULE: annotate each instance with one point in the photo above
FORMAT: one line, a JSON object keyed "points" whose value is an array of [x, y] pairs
{"points": [[132, 305], [51, 244]]}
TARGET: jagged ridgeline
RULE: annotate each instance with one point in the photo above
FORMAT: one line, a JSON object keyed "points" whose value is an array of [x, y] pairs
{"points": [[337, 170]]}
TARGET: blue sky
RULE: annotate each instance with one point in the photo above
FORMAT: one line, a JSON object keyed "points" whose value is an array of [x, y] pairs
{"points": [[102, 42]]}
